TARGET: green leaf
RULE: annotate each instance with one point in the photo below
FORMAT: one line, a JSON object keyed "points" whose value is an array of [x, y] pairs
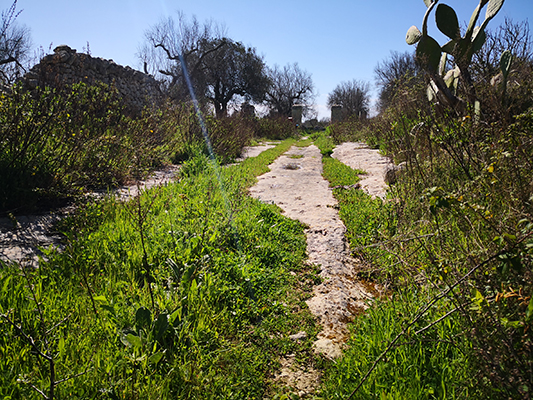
{"points": [[428, 53], [529, 311], [100, 299], [447, 21], [143, 317], [413, 35], [505, 63], [61, 347], [428, 2], [161, 325], [477, 301], [134, 340], [431, 92], [474, 18], [479, 39], [511, 324], [110, 309], [155, 358], [442, 63], [176, 315], [449, 47], [5, 287]]}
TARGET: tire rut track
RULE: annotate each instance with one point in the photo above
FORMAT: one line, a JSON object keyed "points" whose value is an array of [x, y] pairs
{"points": [[296, 185]]}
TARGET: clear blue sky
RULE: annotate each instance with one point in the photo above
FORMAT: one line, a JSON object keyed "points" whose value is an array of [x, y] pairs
{"points": [[335, 40]]}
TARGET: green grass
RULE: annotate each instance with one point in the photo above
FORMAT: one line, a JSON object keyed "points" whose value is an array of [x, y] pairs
{"points": [[339, 174], [222, 302], [304, 142], [426, 365], [324, 143]]}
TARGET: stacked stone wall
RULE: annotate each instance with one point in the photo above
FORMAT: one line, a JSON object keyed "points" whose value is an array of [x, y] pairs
{"points": [[65, 66]]}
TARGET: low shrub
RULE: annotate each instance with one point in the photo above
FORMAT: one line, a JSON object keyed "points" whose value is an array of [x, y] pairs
{"points": [[274, 128], [64, 141], [463, 219], [229, 136]]}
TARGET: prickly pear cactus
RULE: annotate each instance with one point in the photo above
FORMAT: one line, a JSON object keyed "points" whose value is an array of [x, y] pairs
{"points": [[462, 48], [505, 63]]}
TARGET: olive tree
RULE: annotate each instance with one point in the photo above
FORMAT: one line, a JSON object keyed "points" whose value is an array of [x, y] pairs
{"points": [[353, 96], [233, 71], [174, 45], [15, 45], [190, 56]]}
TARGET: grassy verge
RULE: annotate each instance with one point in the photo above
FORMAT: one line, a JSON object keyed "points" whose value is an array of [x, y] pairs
{"points": [[363, 216], [408, 364], [402, 359], [184, 292], [57, 144]]}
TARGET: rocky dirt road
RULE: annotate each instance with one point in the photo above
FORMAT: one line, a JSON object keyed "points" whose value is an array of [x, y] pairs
{"points": [[23, 236], [296, 185]]}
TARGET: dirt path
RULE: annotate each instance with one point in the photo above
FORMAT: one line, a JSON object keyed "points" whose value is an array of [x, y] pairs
{"points": [[360, 156], [253, 151], [22, 236], [296, 185]]}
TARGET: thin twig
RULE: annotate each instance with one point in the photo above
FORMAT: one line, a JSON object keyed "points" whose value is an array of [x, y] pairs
{"points": [[73, 376], [59, 323], [39, 391], [28, 338], [396, 241], [437, 321]]}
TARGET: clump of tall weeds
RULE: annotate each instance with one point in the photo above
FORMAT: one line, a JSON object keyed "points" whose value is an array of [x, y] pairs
{"points": [[463, 208], [58, 142]]}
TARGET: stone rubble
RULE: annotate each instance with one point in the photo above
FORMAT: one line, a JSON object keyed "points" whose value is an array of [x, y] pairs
{"points": [[65, 66]]}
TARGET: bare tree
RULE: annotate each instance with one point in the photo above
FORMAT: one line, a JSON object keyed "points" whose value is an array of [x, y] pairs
{"points": [[15, 45], [288, 86], [353, 96], [172, 45], [395, 74], [511, 36]]}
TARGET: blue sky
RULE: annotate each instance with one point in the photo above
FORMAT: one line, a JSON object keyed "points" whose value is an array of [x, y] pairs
{"points": [[335, 40]]}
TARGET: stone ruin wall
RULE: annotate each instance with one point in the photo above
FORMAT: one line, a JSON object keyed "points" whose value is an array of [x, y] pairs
{"points": [[65, 66]]}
